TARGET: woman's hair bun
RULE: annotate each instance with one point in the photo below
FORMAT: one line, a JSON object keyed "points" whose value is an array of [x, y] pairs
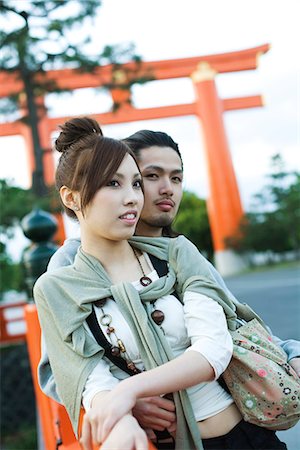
{"points": [[75, 129]]}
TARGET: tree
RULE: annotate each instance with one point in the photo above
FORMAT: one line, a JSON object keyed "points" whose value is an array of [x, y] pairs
{"points": [[16, 202], [274, 222], [11, 274], [192, 221], [42, 39]]}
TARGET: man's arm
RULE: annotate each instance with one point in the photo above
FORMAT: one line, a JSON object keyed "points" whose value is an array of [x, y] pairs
{"points": [[292, 349], [65, 255]]}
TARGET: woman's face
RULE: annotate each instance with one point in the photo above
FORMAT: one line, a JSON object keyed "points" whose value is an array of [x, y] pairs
{"points": [[115, 209]]}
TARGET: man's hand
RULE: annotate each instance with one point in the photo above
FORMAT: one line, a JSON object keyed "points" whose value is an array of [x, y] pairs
{"points": [[155, 413], [295, 363]]}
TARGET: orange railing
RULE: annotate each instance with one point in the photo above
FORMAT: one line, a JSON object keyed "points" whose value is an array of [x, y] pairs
{"points": [[56, 426], [12, 323]]}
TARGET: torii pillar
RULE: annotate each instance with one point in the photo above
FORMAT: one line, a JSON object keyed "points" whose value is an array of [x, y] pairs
{"points": [[224, 204]]}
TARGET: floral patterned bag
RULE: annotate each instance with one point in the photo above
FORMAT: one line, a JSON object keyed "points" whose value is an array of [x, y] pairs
{"points": [[263, 385]]}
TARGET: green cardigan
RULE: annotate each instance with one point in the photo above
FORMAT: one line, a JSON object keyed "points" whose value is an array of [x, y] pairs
{"points": [[64, 300]]}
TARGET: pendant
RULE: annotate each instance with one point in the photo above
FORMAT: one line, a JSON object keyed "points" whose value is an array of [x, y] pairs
{"points": [[133, 367], [115, 351], [106, 320], [158, 316], [100, 303], [121, 346], [110, 330], [145, 281]]}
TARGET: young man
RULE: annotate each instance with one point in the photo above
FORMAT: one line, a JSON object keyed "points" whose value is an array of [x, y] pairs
{"points": [[161, 167]]}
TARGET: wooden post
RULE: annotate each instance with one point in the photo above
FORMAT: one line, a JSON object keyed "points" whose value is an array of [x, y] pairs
{"points": [[224, 204]]}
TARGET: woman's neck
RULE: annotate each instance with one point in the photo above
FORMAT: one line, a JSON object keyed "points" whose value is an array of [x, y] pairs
{"points": [[105, 250], [117, 258]]}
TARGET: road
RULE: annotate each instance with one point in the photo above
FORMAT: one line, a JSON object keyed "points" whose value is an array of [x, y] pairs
{"points": [[275, 296]]}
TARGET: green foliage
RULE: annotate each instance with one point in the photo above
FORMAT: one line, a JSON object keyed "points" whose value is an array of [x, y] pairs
{"points": [[192, 221], [16, 202], [40, 35], [11, 274], [25, 438], [46, 35], [274, 222], [40, 39]]}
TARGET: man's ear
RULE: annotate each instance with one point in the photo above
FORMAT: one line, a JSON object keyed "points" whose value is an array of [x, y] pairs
{"points": [[71, 199]]}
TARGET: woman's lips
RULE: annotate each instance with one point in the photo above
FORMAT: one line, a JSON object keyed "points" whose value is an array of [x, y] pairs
{"points": [[129, 218]]}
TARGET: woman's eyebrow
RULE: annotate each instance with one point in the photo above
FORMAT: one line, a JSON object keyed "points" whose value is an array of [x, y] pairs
{"points": [[120, 175]]}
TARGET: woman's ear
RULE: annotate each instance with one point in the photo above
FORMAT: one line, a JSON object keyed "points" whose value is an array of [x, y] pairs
{"points": [[71, 199]]}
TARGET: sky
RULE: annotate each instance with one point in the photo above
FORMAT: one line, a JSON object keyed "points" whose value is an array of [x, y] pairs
{"points": [[168, 29]]}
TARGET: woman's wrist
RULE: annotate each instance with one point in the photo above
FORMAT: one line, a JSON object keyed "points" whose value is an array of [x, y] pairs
{"points": [[98, 398], [132, 385]]}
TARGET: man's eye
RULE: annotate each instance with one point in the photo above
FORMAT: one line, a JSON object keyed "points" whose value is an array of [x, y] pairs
{"points": [[177, 180], [151, 176], [137, 184], [113, 183]]}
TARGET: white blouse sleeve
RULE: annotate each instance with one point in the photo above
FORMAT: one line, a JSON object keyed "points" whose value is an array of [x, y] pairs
{"points": [[100, 379], [207, 328]]}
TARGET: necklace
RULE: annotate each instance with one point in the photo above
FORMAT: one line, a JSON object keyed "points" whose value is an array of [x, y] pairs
{"points": [[144, 280], [118, 350], [157, 315]]}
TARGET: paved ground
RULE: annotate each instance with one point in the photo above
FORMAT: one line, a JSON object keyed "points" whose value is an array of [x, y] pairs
{"points": [[275, 295]]}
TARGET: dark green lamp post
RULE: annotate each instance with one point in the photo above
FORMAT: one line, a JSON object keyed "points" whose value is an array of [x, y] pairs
{"points": [[39, 226]]}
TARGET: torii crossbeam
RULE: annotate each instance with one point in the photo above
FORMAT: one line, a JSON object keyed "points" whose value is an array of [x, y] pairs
{"points": [[224, 204]]}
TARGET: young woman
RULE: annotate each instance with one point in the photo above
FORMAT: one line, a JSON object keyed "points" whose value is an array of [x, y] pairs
{"points": [[184, 346]]}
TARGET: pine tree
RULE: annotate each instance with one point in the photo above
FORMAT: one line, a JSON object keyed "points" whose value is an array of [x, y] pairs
{"points": [[273, 224], [39, 35]]}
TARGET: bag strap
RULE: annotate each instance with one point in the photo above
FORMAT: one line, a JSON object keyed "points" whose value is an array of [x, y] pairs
{"points": [[105, 344], [161, 267]]}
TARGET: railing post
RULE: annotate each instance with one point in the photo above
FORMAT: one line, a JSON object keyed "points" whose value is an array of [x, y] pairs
{"points": [[38, 226]]}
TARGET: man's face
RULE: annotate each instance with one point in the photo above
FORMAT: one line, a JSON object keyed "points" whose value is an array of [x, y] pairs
{"points": [[161, 169]]}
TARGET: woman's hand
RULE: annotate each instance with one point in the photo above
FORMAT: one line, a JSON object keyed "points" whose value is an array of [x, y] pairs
{"points": [[107, 409], [125, 435]]}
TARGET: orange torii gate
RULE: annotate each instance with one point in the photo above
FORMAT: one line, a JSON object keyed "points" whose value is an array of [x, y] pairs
{"points": [[224, 204]]}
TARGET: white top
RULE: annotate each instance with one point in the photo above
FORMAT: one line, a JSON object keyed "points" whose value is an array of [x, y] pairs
{"points": [[198, 324]]}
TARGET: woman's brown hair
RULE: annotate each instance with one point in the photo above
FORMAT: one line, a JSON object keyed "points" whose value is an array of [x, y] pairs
{"points": [[88, 160]]}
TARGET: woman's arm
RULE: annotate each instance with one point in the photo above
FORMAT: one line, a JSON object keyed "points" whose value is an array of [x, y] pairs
{"points": [[152, 412], [207, 329], [184, 371]]}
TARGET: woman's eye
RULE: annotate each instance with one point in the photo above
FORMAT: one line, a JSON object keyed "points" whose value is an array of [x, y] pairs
{"points": [[137, 183], [113, 183]]}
